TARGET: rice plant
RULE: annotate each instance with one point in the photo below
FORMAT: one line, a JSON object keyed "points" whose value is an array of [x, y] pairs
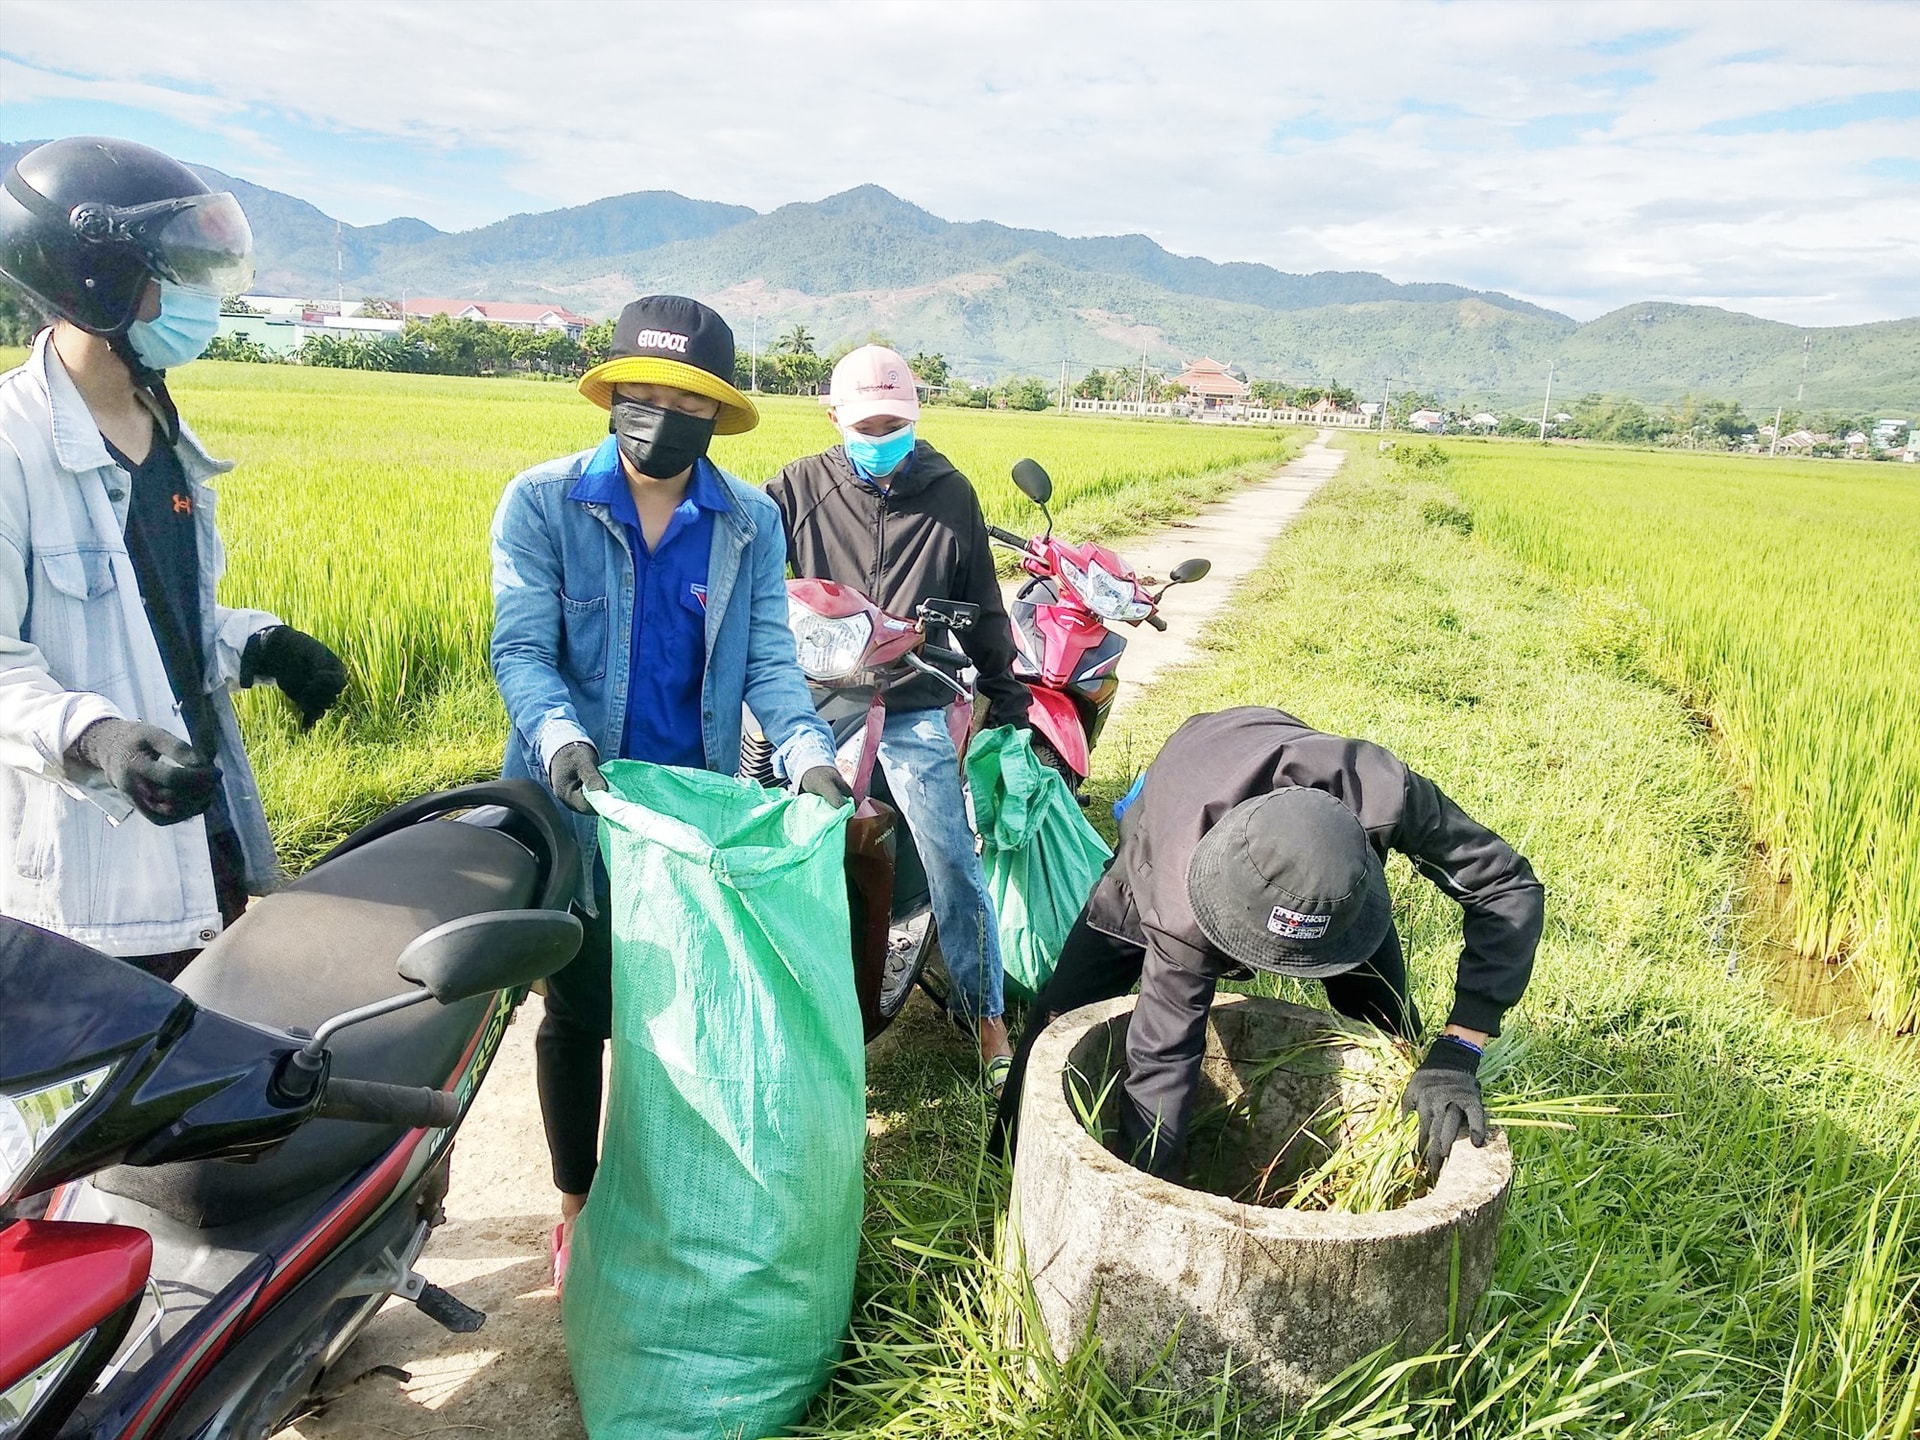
{"points": [[1784, 599]]}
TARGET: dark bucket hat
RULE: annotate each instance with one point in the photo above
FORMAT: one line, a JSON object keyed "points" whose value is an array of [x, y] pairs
{"points": [[1288, 882]]}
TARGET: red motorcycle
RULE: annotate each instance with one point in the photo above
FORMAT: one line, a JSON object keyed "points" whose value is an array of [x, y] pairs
{"points": [[852, 652], [242, 1167], [1066, 654]]}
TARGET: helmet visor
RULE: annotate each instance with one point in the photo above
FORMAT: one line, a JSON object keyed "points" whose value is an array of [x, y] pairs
{"points": [[200, 241]]}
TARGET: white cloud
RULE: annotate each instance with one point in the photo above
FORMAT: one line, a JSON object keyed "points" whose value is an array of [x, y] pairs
{"points": [[1428, 142]]}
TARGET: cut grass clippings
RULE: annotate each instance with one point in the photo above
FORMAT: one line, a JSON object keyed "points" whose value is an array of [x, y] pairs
{"points": [[1735, 1254]]}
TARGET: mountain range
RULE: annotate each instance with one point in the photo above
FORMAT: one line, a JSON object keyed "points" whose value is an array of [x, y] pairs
{"points": [[997, 300]]}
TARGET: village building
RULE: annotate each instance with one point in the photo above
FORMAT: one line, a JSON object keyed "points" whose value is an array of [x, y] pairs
{"points": [[502, 312], [1212, 385]]}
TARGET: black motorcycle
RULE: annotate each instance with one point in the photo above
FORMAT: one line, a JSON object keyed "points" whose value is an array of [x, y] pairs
{"points": [[243, 1166]]}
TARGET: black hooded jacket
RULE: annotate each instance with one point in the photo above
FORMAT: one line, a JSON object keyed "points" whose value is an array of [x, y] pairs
{"points": [[923, 538], [1215, 761]]}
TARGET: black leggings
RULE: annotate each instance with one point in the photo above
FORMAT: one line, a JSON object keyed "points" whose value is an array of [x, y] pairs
{"points": [[1166, 1039], [568, 1049]]}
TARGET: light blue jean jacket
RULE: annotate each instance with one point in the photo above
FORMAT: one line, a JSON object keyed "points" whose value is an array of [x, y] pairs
{"points": [[75, 647], [563, 631]]}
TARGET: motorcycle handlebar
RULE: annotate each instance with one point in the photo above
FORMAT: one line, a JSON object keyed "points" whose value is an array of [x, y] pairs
{"points": [[371, 1103], [953, 659], [1007, 537], [1156, 622]]}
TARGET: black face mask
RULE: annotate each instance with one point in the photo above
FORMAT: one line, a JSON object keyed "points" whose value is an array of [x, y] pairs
{"points": [[658, 442]]}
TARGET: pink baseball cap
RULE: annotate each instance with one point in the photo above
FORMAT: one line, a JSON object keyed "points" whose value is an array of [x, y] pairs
{"points": [[872, 380]]}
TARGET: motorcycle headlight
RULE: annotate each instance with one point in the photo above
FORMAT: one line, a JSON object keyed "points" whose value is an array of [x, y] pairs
{"points": [[25, 1396], [29, 1121], [1108, 596], [830, 649]]}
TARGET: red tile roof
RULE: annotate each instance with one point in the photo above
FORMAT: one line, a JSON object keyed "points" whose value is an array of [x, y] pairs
{"points": [[1210, 377]]}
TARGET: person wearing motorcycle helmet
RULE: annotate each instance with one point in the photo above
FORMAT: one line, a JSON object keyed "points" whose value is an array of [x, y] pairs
{"points": [[1255, 843], [125, 790], [886, 513]]}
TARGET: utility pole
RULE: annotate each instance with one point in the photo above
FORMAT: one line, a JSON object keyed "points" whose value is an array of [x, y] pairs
{"points": [[1143, 377], [1385, 395], [1806, 353], [1545, 405], [1774, 448], [753, 355], [339, 270], [1063, 385]]}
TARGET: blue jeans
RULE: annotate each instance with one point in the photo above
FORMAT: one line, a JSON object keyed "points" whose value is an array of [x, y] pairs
{"points": [[924, 775]]}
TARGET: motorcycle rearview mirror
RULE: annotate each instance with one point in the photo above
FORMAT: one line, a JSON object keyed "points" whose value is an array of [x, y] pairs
{"points": [[494, 950], [1033, 482], [1185, 573]]}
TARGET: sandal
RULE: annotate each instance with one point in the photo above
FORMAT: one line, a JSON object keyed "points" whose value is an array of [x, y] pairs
{"points": [[998, 1069], [561, 1250]]}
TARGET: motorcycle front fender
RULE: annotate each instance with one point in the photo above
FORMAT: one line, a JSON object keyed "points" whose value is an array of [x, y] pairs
{"points": [[1057, 719]]}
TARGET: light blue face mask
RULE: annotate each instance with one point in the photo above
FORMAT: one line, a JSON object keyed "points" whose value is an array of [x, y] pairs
{"points": [[187, 322], [878, 455]]}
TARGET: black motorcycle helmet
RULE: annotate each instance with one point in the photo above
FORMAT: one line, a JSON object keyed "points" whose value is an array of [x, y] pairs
{"points": [[86, 222]]}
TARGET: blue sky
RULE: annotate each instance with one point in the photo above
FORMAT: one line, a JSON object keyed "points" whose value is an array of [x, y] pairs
{"points": [[1765, 157]]}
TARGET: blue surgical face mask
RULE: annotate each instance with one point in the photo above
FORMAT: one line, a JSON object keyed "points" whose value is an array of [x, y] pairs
{"points": [[878, 455], [187, 322]]}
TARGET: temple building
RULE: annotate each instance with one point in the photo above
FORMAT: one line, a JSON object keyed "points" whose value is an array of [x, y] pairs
{"points": [[1212, 384]]}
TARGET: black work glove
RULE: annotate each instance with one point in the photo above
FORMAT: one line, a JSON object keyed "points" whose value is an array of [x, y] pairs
{"points": [[1445, 1090], [828, 783], [164, 777], [576, 770], [307, 672]]}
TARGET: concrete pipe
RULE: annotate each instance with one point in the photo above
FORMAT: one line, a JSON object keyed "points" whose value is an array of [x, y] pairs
{"points": [[1288, 1299]]}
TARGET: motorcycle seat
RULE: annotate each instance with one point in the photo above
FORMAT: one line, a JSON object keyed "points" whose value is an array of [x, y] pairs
{"points": [[325, 943]]}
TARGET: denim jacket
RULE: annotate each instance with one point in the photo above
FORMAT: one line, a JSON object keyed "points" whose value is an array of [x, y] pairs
{"points": [[563, 631], [76, 647]]}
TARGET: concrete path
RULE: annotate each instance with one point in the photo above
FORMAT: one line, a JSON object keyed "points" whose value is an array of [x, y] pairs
{"points": [[511, 1379], [1235, 535]]}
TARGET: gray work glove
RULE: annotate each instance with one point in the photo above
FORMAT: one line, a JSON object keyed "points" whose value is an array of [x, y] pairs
{"points": [[164, 777], [576, 770], [1445, 1091], [828, 783]]}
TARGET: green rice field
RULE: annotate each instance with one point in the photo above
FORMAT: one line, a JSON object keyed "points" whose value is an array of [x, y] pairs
{"points": [[1784, 601]]}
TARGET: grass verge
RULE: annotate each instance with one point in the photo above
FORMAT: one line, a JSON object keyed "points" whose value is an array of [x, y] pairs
{"points": [[1736, 1253]]}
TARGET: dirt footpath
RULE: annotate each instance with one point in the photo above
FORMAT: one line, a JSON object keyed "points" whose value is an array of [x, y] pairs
{"points": [[511, 1379]]}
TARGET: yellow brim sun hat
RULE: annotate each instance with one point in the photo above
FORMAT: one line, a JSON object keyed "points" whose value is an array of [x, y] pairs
{"points": [[672, 340]]}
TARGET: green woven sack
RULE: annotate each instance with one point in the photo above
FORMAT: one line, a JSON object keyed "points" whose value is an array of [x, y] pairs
{"points": [[712, 1270], [1040, 854]]}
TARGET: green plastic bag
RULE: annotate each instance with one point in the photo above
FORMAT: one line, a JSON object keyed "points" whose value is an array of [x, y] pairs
{"points": [[712, 1271], [1040, 854]]}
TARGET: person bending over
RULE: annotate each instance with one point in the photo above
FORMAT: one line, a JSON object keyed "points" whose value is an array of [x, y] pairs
{"points": [[889, 515], [125, 793], [1254, 840], [639, 599]]}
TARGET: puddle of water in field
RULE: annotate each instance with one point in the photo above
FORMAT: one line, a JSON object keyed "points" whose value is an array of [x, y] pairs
{"points": [[1813, 989]]}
